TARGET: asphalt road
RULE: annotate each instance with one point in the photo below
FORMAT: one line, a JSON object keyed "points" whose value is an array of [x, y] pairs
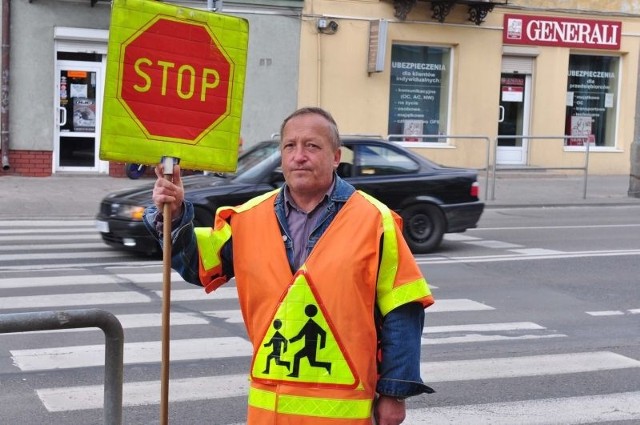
{"points": [[535, 321]]}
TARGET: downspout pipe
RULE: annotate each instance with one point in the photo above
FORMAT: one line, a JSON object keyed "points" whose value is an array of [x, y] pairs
{"points": [[4, 101]]}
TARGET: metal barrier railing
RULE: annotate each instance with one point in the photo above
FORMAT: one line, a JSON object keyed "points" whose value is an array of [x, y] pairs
{"points": [[114, 345], [584, 168], [486, 168]]}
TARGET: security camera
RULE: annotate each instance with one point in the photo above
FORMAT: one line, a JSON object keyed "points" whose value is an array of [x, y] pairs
{"points": [[333, 26]]}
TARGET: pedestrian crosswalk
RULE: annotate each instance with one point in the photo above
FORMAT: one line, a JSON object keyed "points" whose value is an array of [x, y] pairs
{"points": [[605, 408], [207, 330]]}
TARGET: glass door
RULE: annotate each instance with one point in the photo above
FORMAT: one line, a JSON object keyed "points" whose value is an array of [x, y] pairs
{"points": [[78, 116], [513, 119]]}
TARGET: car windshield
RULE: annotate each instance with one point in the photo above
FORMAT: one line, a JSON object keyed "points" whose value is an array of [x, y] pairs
{"points": [[256, 160]]}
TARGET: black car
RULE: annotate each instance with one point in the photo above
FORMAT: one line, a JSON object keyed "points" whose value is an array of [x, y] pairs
{"points": [[432, 199]]}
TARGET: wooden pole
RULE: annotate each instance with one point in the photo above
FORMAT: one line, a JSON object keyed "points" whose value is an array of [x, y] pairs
{"points": [[166, 298]]}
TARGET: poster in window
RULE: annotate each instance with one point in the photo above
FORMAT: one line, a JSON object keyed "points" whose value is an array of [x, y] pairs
{"points": [[84, 114], [581, 126], [412, 128], [512, 94], [417, 93], [78, 90]]}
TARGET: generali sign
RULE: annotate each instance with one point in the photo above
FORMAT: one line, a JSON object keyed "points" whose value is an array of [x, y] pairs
{"points": [[561, 32]]}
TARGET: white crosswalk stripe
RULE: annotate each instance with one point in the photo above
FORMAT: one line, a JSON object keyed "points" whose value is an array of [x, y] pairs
{"points": [[134, 353], [34, 276], [600, 408], [140, 393], [72, 300], [144, 393]]}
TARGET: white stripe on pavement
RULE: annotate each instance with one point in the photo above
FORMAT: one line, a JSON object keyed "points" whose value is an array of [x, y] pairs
{"points": [[591, 409], [510, 367], [146, 393], [93, 255], [46, 238], [199, 294], [484, 338], [121, 263], [47, 223], [134, 321], [60, 300], [210, 387], [522, 257], [484, 327], [97, 279], [493, 244], [55, 247], [134, 353], [459, 237], [31, 231], [462, 304], [536, 251], [605, 313]]}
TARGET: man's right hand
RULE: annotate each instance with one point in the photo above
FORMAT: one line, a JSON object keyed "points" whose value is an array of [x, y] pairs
{"points": [[169, 191]]}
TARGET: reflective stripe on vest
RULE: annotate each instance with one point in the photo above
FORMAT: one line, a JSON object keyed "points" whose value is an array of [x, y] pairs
{"points": [[390, 297], [310, 406], [211, 240]]}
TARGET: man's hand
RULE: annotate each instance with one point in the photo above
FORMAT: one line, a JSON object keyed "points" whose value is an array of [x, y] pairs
{"points": [[389, 411], [168, 191]]}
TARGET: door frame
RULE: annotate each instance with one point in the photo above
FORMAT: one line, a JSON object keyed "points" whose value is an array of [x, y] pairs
{"points": [[99, 69], [80, 40], [518, 155]]}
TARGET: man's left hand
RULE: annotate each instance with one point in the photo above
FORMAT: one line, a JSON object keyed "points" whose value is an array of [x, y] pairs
{"points": [[389, 411]]}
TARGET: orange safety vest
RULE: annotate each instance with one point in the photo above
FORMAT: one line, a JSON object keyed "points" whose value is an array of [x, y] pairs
{"points": [[313, 332]]}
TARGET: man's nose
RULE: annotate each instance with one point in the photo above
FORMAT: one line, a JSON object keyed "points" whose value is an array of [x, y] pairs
{"points": [[299, 153]]}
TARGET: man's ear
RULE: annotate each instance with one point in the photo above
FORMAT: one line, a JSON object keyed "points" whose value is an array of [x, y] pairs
{"points": [[336, 158]]}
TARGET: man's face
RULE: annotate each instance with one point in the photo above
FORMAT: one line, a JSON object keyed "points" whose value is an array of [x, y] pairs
{"points": [[308, 155]]}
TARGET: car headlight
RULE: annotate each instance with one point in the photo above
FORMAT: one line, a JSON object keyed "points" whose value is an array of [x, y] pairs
{"points": [[131, 212]]}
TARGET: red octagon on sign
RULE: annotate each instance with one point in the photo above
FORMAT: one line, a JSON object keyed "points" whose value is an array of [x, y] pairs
{"points": [[176, 80]]}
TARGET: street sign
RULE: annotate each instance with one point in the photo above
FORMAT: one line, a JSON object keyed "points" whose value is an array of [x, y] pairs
{"points": [[175, 81]]}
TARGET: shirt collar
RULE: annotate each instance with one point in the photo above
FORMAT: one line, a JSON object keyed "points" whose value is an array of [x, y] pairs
{"points": [[289, 203]]}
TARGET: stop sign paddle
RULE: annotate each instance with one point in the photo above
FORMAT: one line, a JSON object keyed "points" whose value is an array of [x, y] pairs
{"points": [[175, 80]]}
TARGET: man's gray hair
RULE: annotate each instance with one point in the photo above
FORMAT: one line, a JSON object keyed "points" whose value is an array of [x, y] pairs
{"points": [[333, 127]]}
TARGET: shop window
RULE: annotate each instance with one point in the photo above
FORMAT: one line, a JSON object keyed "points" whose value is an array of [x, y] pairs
{"points": [[592, 97], [419, 92]]}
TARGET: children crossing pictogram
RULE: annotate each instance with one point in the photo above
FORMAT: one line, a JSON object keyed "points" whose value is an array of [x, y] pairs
{"points": [[279, 344], [300, 345], [310, 332]]}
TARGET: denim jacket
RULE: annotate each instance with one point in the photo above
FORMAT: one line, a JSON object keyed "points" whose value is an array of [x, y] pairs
{"points": [[401, 329]]}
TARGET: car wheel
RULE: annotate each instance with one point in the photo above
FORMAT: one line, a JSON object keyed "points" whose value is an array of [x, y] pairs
{"points": [[424, 227]]}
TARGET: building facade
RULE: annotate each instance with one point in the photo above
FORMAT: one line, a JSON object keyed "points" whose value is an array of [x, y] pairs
{"points": [[506, 83], [545, 84], [56, 60]]}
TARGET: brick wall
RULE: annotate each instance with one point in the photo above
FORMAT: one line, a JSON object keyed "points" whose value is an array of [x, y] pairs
{"points": [[29, 163], [39, 164], [116, 169]]}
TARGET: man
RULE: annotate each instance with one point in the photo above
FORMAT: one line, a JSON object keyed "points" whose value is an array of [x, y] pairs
{"points": [[326, 263]]}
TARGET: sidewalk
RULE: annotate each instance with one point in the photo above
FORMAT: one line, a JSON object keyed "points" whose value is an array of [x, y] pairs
{"points": [[533, 189], [78, 196]]}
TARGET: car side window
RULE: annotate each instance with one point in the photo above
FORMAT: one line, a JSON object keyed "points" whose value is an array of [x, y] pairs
{"points": [[382, 161], [345, 167]]}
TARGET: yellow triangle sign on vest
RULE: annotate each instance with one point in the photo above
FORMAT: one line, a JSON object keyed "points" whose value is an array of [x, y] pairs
{"points": [[300, 344]]}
